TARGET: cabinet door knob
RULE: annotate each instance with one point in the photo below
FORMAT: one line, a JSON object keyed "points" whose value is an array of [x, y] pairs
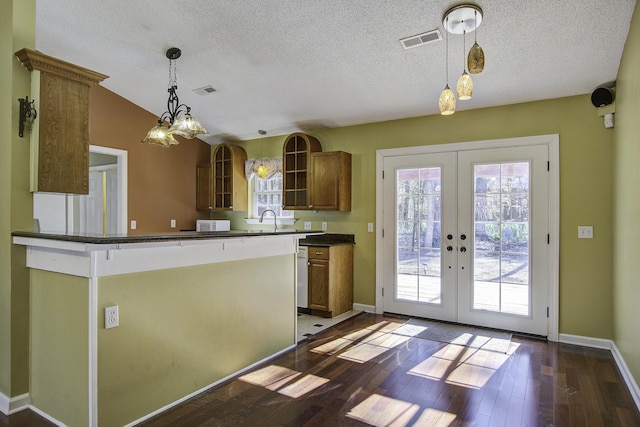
{"points": [[319, 253]]}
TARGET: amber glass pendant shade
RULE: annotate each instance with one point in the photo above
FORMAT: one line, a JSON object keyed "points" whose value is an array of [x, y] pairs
{"points": [[464, 86], [475, 60], [262, 171], [160, 135], [187, 127], [447, 102]]}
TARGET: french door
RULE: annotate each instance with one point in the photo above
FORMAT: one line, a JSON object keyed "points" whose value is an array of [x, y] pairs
{"points": [[465, 237]]}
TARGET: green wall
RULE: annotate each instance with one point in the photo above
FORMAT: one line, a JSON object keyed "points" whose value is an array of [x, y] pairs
{"points": [[183, 329], [60, 350], [626, 251], [585, 191], [17, 30]]}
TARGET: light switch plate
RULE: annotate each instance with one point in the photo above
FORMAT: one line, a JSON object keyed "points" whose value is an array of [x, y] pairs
{"points": [[133, 224], [370, 227], [173, 223], [324, 226], [307, 225], [585, 232]]}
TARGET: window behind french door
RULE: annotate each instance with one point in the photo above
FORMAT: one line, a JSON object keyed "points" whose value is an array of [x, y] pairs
{"points": [[466, 237]]}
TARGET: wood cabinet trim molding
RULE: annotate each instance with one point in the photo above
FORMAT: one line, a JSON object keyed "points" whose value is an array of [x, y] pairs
{"points": [[34, 60]]}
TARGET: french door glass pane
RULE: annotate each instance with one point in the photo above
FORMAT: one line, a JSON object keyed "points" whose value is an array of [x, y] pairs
{"points": [[418, 219], [501, 238]]}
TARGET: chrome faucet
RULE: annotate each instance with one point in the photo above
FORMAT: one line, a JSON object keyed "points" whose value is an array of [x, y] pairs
{"points": [[275, 220]]}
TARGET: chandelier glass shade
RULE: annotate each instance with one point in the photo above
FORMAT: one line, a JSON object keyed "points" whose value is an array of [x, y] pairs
{"points": [[464, 86], [447, 101], [177, 120], [475, 61]]}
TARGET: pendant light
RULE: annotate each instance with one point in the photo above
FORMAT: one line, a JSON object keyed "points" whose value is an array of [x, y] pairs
{"points": [[262, 169], [465, 84], [475, 60], [178, 116], [447, 101]]}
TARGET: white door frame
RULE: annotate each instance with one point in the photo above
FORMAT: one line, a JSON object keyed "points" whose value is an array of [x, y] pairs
{"points": [[552, 141], [122, 162]]}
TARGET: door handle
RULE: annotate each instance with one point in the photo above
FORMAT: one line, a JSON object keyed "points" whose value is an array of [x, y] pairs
{"points": [[463, 236], [463, 249], [449, 248], [449, 236]]}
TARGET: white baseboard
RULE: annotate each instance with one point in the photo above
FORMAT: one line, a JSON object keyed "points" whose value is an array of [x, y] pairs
{"points": [[605, 344], [15, 404], [600, 343], [205, 388], [626, 374], [47, 416], [365, 308]]}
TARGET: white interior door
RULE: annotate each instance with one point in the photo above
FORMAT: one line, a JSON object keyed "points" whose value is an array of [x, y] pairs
{"points": [[468, 233]]}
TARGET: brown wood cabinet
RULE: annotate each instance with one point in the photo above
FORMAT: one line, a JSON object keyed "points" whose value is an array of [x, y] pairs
{"points": [[229, 182], [330, 181], [60, 134], [330, 279], [296, 158]]}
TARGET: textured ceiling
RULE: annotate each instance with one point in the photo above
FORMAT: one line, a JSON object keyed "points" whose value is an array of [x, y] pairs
{"points": [[288, 65]]}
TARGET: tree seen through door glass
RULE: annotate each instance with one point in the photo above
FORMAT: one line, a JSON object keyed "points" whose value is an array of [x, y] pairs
{"points": [[501, 238], [418, 234]]}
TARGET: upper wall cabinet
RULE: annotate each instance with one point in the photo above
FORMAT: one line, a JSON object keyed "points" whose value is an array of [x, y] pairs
{"points": [[296, 158], [229, 180], [60, 134], [315, 180], [330, 181]]}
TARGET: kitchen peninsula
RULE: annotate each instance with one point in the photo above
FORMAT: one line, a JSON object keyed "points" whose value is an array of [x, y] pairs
{"points": [[193, 309]]}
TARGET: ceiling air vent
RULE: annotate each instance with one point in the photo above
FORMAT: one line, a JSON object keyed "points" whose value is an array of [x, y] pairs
{"points": [[421, 39], [205, 90]]}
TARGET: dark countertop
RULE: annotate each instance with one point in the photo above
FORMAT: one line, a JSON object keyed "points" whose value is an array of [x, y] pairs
{"points": [[328, 239], [160, 237]]}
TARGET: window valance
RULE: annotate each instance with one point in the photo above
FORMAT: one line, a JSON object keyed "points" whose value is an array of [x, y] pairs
{"points": [[273, 165]]}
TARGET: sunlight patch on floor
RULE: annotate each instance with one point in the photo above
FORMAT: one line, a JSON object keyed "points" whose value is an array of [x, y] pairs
{"points": [[278, 378], [378, 410], [304, 385], [462, 366]]}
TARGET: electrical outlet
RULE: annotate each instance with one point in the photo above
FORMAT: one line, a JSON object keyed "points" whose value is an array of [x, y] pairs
{"points": [[111, 318], [585, 232], [307, 225], [173, 223], [133, 224], [324, 226], [370, 227]]}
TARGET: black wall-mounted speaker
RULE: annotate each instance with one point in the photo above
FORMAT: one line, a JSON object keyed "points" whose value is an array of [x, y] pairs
{"points": [[602, 96]]}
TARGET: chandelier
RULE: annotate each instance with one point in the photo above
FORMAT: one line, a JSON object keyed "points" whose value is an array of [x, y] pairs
{"points": [[462, 19], [177, 120]]}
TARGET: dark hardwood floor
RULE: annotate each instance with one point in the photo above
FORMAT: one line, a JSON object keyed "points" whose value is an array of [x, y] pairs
{"points": [[358, 374]]}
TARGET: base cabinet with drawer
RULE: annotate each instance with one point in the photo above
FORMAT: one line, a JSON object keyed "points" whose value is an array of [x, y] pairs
{"points": [[330, 279]]}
